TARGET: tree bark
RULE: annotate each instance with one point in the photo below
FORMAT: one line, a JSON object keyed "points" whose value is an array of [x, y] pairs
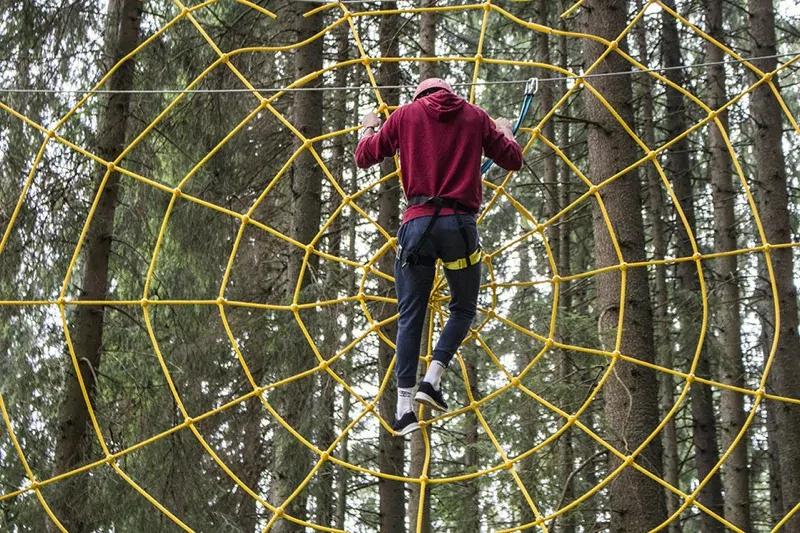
{"points": [[567, 451], [736, 472], [351, 283], [344, 473], [527, 470], [470, 511], [635, 502], [326, 408], [294, 400], [559, 245], [669, 437], [581, 259], [417, 454], [417, 461], [72, 443], [253, 465], [773, 451], [391, 452], [773, 200], [678, 166], [327, 387], [427, 42]]}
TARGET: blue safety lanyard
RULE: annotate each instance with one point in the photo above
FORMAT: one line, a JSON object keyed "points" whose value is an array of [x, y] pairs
{"points": [[530, 89]]}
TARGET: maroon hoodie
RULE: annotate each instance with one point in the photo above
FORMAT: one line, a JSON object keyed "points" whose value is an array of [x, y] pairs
{"points": [[440, 138]]}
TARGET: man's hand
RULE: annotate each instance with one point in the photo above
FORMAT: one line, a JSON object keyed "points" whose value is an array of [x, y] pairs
{"points": [[371, 120], [504, 125]]}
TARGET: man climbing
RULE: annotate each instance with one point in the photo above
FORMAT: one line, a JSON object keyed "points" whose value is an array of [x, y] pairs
{"points": [[440, 137]]}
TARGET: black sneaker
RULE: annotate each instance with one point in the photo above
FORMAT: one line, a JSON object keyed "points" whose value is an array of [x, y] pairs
{"points": [[431, 397], [407, 423]]}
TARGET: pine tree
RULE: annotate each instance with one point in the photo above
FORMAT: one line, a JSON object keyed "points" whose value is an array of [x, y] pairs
{"points": [[773, 204], [636, 503], [294, 400], [391, 449], [736, 473], [72, 446], [678, 171]]}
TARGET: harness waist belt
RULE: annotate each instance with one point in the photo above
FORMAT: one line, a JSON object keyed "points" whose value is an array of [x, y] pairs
{"points": [[440, 203]]}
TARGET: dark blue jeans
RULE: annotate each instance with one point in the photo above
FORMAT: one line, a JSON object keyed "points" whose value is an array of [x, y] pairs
{"points": [[414, 282]]}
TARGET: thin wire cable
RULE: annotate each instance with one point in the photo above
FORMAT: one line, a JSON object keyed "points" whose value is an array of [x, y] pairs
{"points": [[14, 90]]}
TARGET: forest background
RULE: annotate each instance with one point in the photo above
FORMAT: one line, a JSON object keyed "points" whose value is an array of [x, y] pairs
{"points": [[62, 48]]}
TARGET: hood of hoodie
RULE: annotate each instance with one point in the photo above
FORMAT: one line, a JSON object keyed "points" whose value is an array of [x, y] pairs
{"points": [[442, 105]]}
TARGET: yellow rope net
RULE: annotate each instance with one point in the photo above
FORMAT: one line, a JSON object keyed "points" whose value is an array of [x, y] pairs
{"points": [[498, 192]]}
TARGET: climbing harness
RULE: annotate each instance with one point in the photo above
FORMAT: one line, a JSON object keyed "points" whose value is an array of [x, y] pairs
{"points": [[412, 256]]}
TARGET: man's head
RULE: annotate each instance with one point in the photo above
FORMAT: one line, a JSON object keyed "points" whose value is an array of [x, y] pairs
{"points": [[431, 85]]}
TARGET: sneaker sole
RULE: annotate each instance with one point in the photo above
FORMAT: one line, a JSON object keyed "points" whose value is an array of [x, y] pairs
{"points": [[408, 429], [423, 398]]}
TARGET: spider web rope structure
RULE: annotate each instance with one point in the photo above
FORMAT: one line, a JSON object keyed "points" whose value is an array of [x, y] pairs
{"points": [[506, 465]]}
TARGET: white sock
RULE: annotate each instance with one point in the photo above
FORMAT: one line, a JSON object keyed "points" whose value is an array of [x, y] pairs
{"points": [[434, 373], [405, 401]]}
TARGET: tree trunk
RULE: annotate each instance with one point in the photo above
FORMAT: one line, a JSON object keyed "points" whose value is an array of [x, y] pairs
{"points": [[559, 245], [585, 448], [567, 450], [344, 473], [417, 453], [253, 465], [528, 470], [774, 453], [351, 283], [327, 386], [678, 170], [736, 473], [417, 459], [470, 511], [294, 400], [635, 502], [784, 378], [764, 309], [391, 452], [427, 42], [338, 507], [566, 453], [72, 443], [666, 396], [326, 408]]}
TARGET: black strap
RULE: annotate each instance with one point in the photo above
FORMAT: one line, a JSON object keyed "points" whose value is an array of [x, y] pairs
{"points": [[465, 237], [413, 257], [440, 202]]}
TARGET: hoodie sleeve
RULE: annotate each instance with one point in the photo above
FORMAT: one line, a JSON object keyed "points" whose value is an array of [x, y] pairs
{"points": [[375, 148], [503, 151]]}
